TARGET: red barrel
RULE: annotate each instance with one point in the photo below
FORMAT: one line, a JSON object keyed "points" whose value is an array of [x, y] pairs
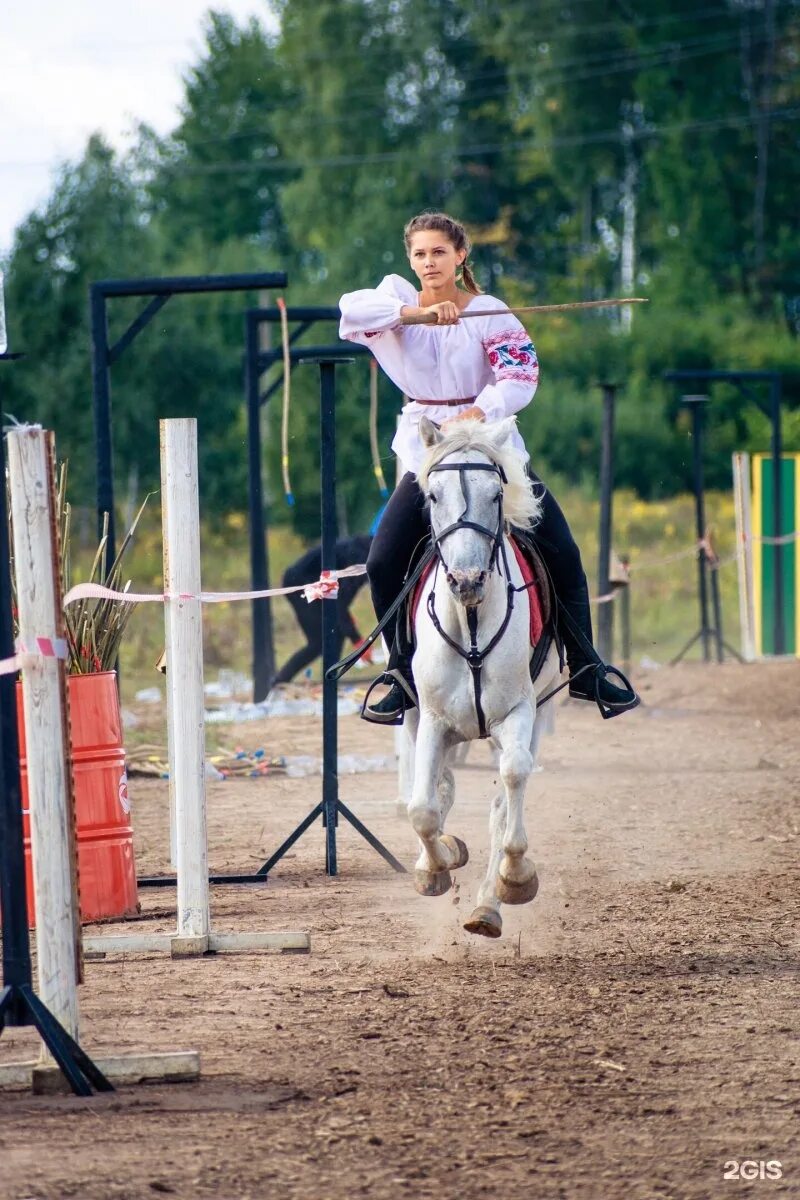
{"points": [[106, 868]]}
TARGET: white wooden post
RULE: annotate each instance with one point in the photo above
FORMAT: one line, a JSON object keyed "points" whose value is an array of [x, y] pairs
{"points": [[744, 559], [185, 722], [44, 697], [185, 700]]}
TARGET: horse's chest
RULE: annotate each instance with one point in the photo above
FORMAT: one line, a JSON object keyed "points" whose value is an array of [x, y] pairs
{"points": [[449, 691]]}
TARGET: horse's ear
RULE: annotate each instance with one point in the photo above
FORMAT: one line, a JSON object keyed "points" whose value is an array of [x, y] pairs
{"points": [[501, 431], [431, 434]]}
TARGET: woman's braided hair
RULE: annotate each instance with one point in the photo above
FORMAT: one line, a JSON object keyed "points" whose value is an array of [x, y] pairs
{"points": [[454, 231]]}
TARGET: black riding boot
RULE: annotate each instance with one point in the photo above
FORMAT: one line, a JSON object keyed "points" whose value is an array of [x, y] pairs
{"points": [[589, 676], [402, 693]]}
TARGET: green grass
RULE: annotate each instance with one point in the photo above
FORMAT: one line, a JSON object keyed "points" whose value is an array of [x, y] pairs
{"points": [[664, 609]]}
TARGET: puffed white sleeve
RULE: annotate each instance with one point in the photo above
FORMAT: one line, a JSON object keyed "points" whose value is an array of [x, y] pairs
{"points": [[514, 364], [372, 311]]}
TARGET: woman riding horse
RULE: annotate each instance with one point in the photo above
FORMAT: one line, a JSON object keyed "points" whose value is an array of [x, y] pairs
{"points": [[486, 369]]}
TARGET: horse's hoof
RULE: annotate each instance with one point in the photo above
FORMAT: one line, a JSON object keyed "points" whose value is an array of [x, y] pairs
{"points": [[432, 883], [457, 847], [486, 922], [509, 892]]}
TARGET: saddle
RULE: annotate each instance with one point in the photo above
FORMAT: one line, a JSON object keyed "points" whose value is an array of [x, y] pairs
{"points": [[541, 601]]}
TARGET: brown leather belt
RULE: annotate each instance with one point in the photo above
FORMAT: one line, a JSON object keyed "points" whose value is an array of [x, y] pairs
{"points": [[445, 403]]}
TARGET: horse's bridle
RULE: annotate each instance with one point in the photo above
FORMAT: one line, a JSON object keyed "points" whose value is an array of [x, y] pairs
{"points": [[474, 657]]}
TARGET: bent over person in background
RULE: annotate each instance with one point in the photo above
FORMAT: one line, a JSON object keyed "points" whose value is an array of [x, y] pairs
{"points": [[349, 552]]}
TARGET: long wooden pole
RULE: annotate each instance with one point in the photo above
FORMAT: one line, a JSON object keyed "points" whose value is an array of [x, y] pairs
{"points": [[431, 318], [30, 472], [185, 716]]}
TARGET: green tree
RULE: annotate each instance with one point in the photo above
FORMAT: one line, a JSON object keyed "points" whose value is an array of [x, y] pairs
{"points": [[217, 176]]}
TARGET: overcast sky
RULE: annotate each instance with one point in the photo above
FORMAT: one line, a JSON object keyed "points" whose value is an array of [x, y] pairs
{"points": [[70, 67]]}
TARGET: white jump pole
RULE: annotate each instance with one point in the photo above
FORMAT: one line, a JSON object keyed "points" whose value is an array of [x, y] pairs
{"points": [[186, 723], [44, 701], [180, 507]]}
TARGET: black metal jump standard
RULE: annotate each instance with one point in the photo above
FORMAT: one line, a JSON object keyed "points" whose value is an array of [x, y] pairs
{"points": [[744, 380], [330, 806], [705, 568]]}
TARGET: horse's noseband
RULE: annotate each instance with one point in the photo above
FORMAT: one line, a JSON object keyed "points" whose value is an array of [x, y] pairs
{"points": [[474, 657]]}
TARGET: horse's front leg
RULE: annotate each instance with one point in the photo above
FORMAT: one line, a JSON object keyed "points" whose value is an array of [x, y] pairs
{"points": [[485, 918], [431, 798], [517, 882]]}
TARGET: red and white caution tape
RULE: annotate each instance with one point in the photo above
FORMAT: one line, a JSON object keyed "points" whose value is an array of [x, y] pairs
{"points": [[325, 588], [40, 647]]}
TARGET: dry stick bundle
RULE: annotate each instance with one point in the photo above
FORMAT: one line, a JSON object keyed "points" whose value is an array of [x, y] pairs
{"points": [[94, 627]]}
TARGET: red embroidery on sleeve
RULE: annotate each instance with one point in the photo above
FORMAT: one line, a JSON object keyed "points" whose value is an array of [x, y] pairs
{"points": [[512, 356]]}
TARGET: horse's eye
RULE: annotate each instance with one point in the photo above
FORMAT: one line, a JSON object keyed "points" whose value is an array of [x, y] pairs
{"points": [[431, 498]]}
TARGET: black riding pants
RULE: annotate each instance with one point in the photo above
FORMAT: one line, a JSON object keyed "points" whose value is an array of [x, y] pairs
{"points": [[405, 525]]}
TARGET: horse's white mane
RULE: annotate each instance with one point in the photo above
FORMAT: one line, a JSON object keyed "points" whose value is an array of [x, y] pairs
{"points": [[520, 504]]}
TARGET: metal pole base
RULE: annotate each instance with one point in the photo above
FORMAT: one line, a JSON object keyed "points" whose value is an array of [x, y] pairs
{"points": [[155, 881], [696, 638], [80, 1072], [682, 653], [319, 811]]}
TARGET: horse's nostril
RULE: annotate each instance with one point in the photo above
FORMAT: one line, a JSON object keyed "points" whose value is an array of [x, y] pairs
{"points": [[482, 577]]}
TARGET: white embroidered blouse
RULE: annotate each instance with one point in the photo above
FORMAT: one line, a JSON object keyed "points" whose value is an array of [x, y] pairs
{"points": [[490, 361]]}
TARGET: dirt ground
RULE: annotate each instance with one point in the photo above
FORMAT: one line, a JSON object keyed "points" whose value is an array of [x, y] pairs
{"points": [[634, 1031]]}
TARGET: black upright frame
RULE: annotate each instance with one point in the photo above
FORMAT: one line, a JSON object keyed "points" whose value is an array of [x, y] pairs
{"points": [[771, 408], [19, 1004], [104, 356]]}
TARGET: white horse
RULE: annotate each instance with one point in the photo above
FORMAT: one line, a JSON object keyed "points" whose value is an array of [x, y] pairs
{"points": [[476, 485]]}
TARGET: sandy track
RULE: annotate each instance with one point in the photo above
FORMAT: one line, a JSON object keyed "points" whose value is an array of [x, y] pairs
{"points": [[633, 1031]]}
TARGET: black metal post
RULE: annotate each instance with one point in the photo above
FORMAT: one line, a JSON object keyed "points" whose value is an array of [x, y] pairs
{"points": [[330, 806], [777, 506], [330, 769], [16, 947], [605, 616], [703, 635], [263, 641], [101, 392]]}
